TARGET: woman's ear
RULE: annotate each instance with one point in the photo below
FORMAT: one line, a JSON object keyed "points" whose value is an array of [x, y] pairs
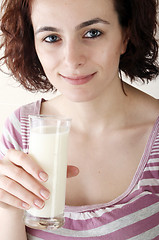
{"points": [[126, 38]]}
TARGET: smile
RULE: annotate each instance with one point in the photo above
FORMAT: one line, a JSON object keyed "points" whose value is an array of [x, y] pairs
{"points": [[78, 80]]}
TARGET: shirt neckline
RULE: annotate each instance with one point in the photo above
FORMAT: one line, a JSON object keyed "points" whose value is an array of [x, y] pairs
{"points": [[135, 179], [137, 175]]}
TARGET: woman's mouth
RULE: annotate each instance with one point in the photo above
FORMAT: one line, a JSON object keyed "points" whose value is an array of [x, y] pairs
{"points": [[78, 79]]}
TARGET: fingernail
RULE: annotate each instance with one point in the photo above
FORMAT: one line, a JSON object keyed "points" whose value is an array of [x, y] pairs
{"points": [[38, 203], [43, 176], [44, 193], [76, 171], [25, 205]]}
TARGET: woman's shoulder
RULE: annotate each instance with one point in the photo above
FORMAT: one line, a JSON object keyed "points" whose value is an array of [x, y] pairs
{"points": [[144, 106], [16, 127], [32, 108], [150, 108], [54, 106]]}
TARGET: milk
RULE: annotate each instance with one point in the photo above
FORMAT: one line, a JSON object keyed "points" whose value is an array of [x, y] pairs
{"points": [[50, 150]]}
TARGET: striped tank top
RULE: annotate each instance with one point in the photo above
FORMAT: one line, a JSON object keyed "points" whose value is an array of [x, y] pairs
{"points": [[134, 215]]}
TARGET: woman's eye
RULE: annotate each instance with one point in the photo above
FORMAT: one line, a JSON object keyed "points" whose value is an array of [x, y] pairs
{"points": [[52, 39], [93, 33]]}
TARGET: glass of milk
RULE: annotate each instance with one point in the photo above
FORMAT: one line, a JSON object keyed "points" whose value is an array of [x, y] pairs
{"points": [[48, 146]]}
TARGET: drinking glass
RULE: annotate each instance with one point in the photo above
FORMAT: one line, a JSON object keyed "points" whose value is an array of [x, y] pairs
{"points": [[48, 146]]}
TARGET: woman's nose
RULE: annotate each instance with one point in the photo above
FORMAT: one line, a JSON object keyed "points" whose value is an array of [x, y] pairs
{"points": [[74, 55]]}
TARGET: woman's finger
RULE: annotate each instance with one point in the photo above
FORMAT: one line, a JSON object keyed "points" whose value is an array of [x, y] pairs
{"points": [[8, 200], [27, 163], [20, 176], [21, 197]]}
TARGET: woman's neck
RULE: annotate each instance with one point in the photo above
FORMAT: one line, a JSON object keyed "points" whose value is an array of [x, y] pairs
{"points": [[106, 111]]}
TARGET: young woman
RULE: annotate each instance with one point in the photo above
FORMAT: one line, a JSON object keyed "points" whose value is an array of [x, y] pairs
{"points": [[82, 48]]}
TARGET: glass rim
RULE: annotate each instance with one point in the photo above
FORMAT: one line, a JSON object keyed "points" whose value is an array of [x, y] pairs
{"points": [[53, 117]]}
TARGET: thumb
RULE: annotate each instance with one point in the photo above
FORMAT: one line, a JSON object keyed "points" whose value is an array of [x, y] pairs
{"points": [[72, 171]]}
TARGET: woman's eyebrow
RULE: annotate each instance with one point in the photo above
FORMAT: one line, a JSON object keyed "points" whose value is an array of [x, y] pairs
{"points": [[91, 22], [81, 25], [47, 29]]}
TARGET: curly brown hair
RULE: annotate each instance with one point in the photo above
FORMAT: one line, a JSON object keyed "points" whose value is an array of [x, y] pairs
{"points": [[140, 59], [138, 62]]}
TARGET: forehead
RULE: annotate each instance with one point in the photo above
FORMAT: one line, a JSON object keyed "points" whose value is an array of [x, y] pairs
{"points": [[69, 11]]}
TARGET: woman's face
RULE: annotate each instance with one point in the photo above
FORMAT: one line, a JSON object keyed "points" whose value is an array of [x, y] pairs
{"points": [[79, 43]]}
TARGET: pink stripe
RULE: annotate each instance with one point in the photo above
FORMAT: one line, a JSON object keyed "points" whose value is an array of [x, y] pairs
{"points": [[151, 174], [155, 152], [8, 124], [123, 233], [155, 146], [136, 228], [7, 144], [155, 164], [154, 156], [156, 143], [130, 196], [50, 236], [109, 217], [14, 133], [151, 189]]}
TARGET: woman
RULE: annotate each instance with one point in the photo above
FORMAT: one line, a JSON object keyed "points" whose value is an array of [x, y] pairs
{"points": [[81, 48]]}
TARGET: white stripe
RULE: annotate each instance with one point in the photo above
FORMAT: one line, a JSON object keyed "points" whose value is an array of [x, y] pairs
{"points": [[30, 237], [100, 212], [153, 160], [10, 139], [3, 149], [153, 168], [113, 226], [25, 119], [155, 147], [25, 145], [148, 235], [25, 138], [25, 150], [156, 143], [25, 135], [25, 141], [152, 154], [24, 126], [154, 151], [149, 182], [88, 215], [157, 137], [15, 122]]}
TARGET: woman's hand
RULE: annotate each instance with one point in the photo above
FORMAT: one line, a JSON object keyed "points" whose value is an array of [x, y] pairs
{"points": [[21, 181]]}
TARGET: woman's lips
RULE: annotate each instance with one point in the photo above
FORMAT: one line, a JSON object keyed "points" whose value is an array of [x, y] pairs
{"points": [[78, 80]]}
